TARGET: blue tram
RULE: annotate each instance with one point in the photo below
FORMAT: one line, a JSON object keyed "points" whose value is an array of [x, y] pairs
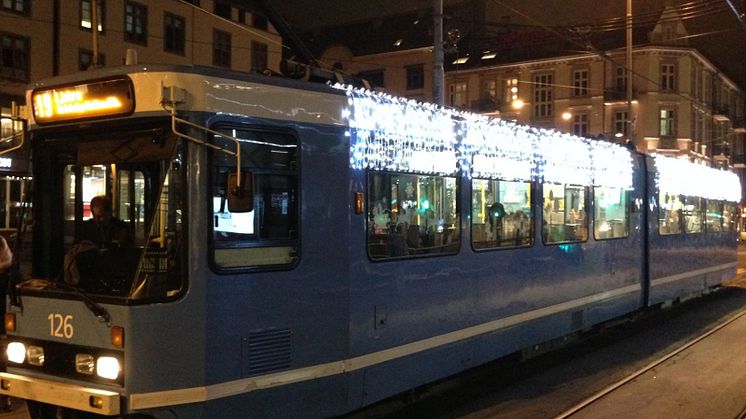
{"points": [[304, 250]]}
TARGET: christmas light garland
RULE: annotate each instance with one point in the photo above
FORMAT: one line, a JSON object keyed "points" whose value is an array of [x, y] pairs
{"points": [[682, 177], [389, 133]]}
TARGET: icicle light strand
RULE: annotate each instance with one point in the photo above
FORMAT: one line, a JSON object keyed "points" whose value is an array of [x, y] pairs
{"points": [[388, 133], [682, 177]]}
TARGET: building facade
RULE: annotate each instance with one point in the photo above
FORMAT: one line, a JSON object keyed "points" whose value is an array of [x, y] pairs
{"points": [[681, 103], [44, 38]]}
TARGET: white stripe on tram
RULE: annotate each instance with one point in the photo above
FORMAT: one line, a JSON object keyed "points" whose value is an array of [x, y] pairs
{"points": [[232, 388], [690, 274]]}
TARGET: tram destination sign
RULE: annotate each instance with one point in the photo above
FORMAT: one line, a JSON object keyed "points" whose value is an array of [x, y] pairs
{"points": [[102, 98]]}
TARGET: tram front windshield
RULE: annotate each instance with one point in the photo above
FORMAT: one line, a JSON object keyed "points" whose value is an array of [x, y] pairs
{"points": [[108, 216]]}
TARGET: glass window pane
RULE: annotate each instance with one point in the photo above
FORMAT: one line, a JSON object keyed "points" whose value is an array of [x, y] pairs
{"points": [[693, 214], [611, 217], [267, 235], [670, 214], [411, 215], [565, 218], [730, 211], [714, 216], [501, 214]]}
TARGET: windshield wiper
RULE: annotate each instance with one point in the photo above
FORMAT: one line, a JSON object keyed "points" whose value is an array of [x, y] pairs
{"points": [[99, 311]]}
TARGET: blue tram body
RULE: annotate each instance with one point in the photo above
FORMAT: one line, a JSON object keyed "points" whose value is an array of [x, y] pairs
{"points": [[307, 306]]}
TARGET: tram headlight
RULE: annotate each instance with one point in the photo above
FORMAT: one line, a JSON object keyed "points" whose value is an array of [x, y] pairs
{"points": [[107, 367], [35, 355], [16, 352], [84, 364]]}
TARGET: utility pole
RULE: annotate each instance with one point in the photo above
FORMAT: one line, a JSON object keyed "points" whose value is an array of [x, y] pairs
{"points": [[629, 72], [438, 72]]}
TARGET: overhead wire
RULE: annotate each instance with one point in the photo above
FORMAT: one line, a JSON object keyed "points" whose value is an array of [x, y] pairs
{"points": [[589, 48]]}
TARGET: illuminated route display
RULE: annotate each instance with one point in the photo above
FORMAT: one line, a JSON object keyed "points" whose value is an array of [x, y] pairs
{"points": [[83, 101]]}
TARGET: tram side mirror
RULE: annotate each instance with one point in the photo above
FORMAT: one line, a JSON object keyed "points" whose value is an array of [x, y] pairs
{"points": [[240, 198]]}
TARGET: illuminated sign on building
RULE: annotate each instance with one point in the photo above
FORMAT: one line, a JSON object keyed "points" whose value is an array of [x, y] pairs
{"points": [[84, 101]]}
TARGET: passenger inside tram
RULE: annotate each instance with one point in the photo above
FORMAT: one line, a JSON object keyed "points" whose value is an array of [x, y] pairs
{"points": [[104, 257]]}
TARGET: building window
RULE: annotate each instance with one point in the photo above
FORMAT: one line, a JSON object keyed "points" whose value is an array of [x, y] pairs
{"points": [[16, 6], [580, 124], [85, 14], [511, 90], [415, 77], [221, 48], [135, 23], [259, 21], [543, 95], [14, 62], [621, 79], [667, 122], [258, 56], [580, 83], [222, 9], [374, 77], [458, 94], [620, 124], [85, 59], [668, 77], [488, 93], [174, 30]]}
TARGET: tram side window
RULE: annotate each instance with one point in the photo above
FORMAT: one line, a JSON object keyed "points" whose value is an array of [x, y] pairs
{"points": [[714, 216], [693, 214], [670, 214], [729, 216], [267, 235], [611, 213], [501, 214], [565, 218], [412, 215]]}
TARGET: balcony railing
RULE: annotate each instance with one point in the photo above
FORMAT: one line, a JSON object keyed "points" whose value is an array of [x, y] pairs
{"points": [[615, 95], [486, 105], [668, 143]]}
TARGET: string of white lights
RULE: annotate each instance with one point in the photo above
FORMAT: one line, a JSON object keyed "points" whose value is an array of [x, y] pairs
{"points": [[401, 135], [682, 177]]}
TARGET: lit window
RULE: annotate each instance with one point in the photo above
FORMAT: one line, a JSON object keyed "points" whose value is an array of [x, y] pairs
{"points": [[611, 214], [501, 214], [85, 14], [135, 23], [410, 215], [565, 218]]}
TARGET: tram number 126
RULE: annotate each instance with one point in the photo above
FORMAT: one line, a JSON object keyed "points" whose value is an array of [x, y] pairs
{"points": [[61, 326]]}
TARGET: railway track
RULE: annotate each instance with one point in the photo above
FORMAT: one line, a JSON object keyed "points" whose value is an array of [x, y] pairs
{"points": [[584, 404]]}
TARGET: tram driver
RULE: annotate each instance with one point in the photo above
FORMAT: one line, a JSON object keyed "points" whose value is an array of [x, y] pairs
{"points": [[103, 229], [103, 257]]}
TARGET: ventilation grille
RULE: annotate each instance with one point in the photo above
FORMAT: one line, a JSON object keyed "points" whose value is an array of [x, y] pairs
{"points": [[267, 351]]}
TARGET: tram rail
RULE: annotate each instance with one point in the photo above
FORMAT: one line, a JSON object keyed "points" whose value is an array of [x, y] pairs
{"points": [[617, 385]]}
